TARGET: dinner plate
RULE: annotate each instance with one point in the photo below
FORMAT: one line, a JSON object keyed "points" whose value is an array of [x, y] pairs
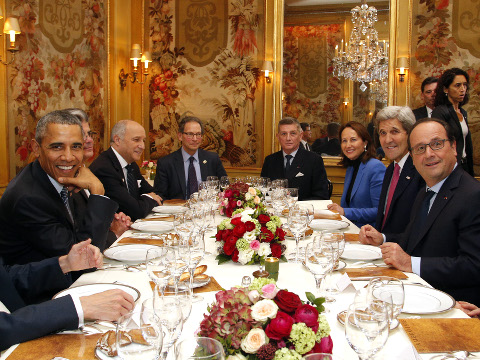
{"points": [[153, 226], [132, 253], [196, 283], [341, 265], [343, 314], [90, 289], [166, 209], [325, 224], [421, 299], [359, 252]]}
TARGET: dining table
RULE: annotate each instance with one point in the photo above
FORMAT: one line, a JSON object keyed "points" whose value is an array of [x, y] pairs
{"points": [[292, 276]]}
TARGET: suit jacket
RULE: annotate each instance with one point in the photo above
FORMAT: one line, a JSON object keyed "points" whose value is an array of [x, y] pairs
{"points": [[35, 225], [312, 185], [24, 284], [325, 146], [170, 180], [420, 113], [447, 113], [405, 193], [306, 146], [449, 244], [365, 192], [108, 169]]}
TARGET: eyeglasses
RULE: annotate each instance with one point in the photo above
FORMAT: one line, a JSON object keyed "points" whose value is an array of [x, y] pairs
{"points": [[190, 135], [434, 145], [91, 134]]}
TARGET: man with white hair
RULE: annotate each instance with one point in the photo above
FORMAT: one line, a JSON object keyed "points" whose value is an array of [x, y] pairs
{"points": [[118, 171]]}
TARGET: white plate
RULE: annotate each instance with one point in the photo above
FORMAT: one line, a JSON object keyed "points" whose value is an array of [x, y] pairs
{"points": [[166, 209], [131, 253], [341, 265], [325, 224], [425, 300], [153, 226], [90, 289], [99, 354], [196, 284], [359, 252]]}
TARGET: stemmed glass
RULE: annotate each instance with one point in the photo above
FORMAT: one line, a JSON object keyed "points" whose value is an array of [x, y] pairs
{"points": [[292, 197], [183, 223], [212, 178], [318, 260], [195, 251], [366, 328], [263, 185], [199, 348], [379, 287], [156, 267], [280, 184], [224, 182], [148, 341], [278, 197], [319, 356], [176, 262], [337, 241], [183, 298], [297, 223]]}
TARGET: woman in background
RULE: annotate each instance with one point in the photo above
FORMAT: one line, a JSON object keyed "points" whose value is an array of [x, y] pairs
{"points": [[364, 176]]}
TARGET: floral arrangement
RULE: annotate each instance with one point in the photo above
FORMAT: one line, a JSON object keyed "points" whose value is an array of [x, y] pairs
{"points": [[250, 236], [265, 323], [149, 165], [238, 196]]}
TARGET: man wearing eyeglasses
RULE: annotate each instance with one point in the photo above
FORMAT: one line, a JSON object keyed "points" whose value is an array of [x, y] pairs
{"points": [[441, 242], [179, 173]]}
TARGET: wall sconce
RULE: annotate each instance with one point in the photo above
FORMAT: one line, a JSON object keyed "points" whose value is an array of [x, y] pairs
{"points": [[136, 56], [267, 68], [12, 28], [346, 101], [402, 66]]}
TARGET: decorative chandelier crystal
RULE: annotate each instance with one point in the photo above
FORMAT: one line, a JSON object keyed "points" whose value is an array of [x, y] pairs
{"points": [[364, 58], [378, 91]]}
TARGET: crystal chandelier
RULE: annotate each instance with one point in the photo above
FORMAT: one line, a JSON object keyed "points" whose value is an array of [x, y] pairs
{"points": [[378, 91], [364, 58]]}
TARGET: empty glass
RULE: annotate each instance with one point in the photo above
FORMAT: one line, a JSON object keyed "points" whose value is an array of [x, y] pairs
{"points": [[199, 348], [183, 223], [195, 248], [278, 197], [377, 288], [297, 223], [318, 260], [156, 266], [292, 197], [337, 241]]}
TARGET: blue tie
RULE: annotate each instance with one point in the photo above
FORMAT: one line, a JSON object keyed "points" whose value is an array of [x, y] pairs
{"points": [[287, 166], [421, 217], [192, 179]]}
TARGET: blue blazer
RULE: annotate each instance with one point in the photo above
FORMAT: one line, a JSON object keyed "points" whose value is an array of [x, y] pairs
{"points": [[365, 193]]}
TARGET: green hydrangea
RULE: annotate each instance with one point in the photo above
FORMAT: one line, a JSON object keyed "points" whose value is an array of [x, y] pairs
{"points": [[258, 283], [229, 225], [323, 328], [302, 337], [272, 226], [238, 211], [223, 224], [276, 220], [287, 354], [242, 244], [258, 226]]}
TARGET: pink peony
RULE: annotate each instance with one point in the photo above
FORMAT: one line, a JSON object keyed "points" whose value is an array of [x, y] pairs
{"points": [[255, 245], [324, 346], [269, 291], [308, 315], [239, 202]]}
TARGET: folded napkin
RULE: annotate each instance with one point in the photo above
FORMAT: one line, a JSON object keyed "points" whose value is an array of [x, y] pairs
{"points": [[70, 346], [351, 237], [333, 216], [373, 271], [175, 202], [443, 335], [144, 241], [158, 218], [213, 285]]}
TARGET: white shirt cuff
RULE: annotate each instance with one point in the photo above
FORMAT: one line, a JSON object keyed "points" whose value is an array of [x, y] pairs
{"points": [[384, 238], [148, 196], [106, 197], [416, 262], [79, 309]]}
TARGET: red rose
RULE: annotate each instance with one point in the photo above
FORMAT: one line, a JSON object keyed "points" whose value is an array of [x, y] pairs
{"points": [[267, 234], [226, 233], [263, 219], [280, 233], [324, 346], [229, 212], [236, 221], [232, 204], [279, 327], [235, 255], [229, 245], [239, 230], [287, 301], [228, 193], [307, 314], [249, 225], [236, 193], [218, 235], [276, 250]]}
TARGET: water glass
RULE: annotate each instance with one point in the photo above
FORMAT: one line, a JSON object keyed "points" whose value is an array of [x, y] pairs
{"points": [[156, 267], [377, 289], [292, 197], [318, 260], [297, 223], [199, 348]]}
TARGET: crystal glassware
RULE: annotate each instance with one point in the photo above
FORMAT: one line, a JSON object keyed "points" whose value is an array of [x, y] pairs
{"points": [[318, 260], [199, 348], [297, 223], [376, 289]]}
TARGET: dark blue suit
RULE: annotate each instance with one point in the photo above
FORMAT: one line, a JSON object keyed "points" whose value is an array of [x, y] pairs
{"points": [[365, 193], [24, 284], [405, 193]]}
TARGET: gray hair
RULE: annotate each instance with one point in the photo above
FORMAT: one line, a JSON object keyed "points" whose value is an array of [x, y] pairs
{"points": [[55, 117], [188, 119], [402, 113], [78, 113], [119, 129], [289, 121]]}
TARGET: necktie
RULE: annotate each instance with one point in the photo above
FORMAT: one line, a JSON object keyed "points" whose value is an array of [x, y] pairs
{"points": [[192, 179], [64, 196], [423, 212], [393, 185], [287, 166], [131, 182]]}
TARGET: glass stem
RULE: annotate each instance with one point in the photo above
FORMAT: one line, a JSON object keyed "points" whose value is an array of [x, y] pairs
{"points": [[318, 284], [297, 242]]}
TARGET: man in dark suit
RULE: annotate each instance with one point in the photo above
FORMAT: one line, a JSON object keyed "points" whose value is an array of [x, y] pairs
{"points": [[441, 241], [401, 182], [428, 96], [37, 215], [329, 145], [118, 171], [306, 136], [303, 169], [24, 284], [179, 173]]}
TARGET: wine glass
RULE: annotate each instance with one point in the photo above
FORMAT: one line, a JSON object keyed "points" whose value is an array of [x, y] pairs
{"points": [[224, 182], [148, 340], [319, 356], [292, 197], [377, 288], [212, 178], [199, 348], [366, 328], [182, 296], [297, 223], [175, 262], [337, 241], [156, 267], [195, 248], [183, 223], [318, 260], [278, 198]]}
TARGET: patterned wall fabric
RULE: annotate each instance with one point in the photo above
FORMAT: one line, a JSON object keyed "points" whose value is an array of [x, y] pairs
{"points": [[206, 59], [445, 35]]}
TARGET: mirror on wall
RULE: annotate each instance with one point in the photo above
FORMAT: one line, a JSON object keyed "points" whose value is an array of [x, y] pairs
{"points": [[312, 37]]}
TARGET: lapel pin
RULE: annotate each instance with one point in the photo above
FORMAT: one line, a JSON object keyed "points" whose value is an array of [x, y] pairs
{"points": [[408, 177], [204, 161], [445, 198]]}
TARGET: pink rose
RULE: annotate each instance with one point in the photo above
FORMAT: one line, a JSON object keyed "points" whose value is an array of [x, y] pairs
{"points": [[269, 291], [255, 245], [254, 296], [239, 203]]}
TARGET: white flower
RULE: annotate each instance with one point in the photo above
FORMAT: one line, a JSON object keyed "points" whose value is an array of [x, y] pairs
{"points": [[264, 310], [247, 215], [150, 164], [254, 340], [237, 356], [250, 236], [254, 296], [252, 191], [248, 197], [256, 200], [245, 256], [228, 225], [264, 249]]}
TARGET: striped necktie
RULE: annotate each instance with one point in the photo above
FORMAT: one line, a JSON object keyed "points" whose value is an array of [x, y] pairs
{"points": [[64, 196]]}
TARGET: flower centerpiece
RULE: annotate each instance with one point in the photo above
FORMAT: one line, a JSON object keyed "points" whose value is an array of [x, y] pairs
{"points": [[238, 196], [265, 323], [149, 168], [250, 236]]}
